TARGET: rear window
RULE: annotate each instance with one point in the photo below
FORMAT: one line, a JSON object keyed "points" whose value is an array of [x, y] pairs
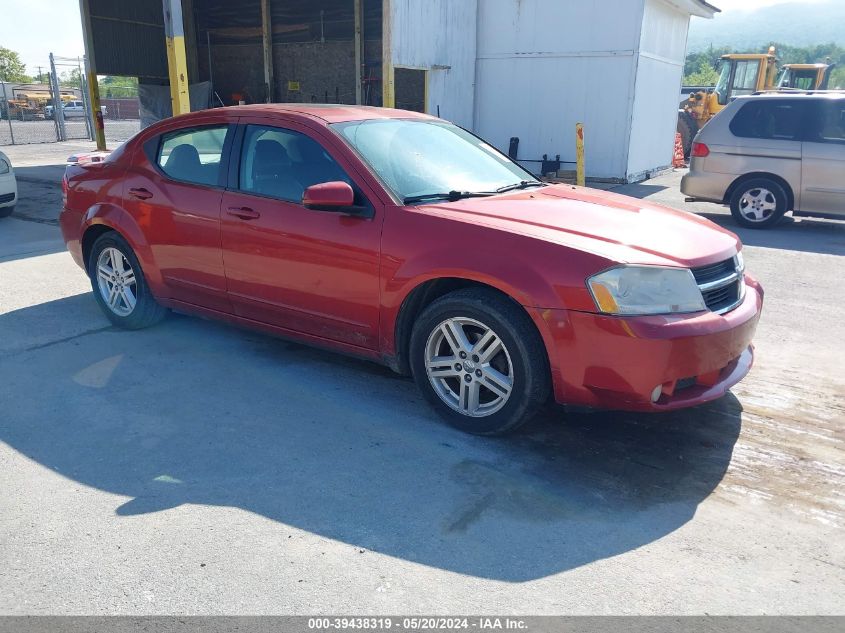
{"points": [[193, 155], [769, 119]]}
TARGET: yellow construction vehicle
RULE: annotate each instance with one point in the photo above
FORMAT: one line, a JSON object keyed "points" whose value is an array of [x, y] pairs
{"points": [[805, 76], [741, 74]]}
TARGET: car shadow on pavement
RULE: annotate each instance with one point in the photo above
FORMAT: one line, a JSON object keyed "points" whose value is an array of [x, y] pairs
{"points": [[193, 412], [808, 235]]}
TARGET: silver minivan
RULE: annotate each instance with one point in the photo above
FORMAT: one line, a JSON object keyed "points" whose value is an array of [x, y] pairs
{"points": [[769, 153]]}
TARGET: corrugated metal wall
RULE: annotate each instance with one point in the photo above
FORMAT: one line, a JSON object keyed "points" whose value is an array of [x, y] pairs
{"points": [[129, 38]]}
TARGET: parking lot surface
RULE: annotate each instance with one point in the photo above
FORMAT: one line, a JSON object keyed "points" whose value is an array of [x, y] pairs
{"points": [[196, 468]]}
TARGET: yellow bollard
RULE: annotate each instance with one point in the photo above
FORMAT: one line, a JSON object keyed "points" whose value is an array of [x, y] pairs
{"points": [[580, 178]]}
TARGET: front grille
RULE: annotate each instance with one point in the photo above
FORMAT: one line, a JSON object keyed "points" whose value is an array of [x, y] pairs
{"points": [[712, 272], [721, 284], [7, 197], [685, 383]]}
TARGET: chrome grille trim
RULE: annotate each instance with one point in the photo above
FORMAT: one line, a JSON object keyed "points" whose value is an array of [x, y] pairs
{"points": [[721, 282]]}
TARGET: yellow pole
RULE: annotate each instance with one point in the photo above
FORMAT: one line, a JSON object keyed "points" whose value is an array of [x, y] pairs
{"points": [[91, 76], [580, 178], [177, 63]]}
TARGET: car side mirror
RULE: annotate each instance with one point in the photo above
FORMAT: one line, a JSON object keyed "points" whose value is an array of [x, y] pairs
{"points": [[329, 196]]}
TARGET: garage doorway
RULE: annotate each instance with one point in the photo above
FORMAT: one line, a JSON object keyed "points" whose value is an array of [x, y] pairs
{"points": [[411, 86]]}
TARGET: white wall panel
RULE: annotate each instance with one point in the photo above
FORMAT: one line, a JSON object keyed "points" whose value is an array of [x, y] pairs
{"points": [[659, 75], [533, 68], [541, 99], [431, 33], [520, 27], [545, 65]]}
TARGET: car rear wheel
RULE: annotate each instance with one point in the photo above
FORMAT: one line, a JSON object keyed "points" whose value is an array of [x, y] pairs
{"points": [[5, 212], [119, 285], [759, 203], [479, 360]]}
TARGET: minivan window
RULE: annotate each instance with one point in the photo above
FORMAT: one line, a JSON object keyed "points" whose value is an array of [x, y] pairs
{"points": [[831, 122], [193, 155], [282, 164], [777, 120]]}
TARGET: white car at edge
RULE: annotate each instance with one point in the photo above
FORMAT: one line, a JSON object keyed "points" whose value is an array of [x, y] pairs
{"points": [[8, 186]]}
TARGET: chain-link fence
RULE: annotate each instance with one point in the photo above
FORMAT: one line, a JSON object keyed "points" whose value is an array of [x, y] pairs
{"points": [[29, 114]]}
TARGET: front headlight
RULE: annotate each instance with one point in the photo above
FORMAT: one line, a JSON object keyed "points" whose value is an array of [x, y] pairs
{"points": [[646, 290], [4, 167]]}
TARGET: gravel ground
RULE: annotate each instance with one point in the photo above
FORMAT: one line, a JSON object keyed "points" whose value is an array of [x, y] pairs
{"points": [[25, 132], [195, 468]]}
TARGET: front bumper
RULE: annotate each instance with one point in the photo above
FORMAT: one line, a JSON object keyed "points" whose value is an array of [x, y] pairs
{"points": [[611, 362], [8, 190]]}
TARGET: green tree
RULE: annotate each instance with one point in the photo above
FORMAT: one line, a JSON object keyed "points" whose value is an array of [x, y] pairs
{"points": [[111, 86], [72, 79], [706, 75], [11, 67]]}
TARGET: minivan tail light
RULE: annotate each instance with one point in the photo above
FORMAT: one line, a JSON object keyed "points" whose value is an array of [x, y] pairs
{"points": [[700, 150], [64, 189]]}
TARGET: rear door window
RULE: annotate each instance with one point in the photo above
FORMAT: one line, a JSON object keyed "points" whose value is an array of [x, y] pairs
{"points": [[193, 155], [770, 119], [830, 126]]}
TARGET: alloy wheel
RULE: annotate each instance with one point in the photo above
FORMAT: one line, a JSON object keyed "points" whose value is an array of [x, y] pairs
{"points": [[469, 367], [758, 204], [117, 283]]}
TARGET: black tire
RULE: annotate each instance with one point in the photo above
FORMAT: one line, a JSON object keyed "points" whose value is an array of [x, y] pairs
{"points": [[146, 311], [5, 212], [525, 358], [767, 193], [687, 135]]}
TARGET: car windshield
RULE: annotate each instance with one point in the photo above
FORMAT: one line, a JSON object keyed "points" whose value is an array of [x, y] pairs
{"points": [[421, 159]]}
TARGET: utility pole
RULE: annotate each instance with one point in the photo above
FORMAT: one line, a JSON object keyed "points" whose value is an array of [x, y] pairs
{"points": [[58, 110], [8, 111]]}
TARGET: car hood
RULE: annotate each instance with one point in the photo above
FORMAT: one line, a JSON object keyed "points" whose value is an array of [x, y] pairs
{"points": [[619, 228]]}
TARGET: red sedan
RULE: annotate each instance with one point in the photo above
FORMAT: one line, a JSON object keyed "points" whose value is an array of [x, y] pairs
{"points": [[401, 238]]}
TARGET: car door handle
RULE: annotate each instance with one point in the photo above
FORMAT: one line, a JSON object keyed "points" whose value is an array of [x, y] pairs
{"points": [[140, 193], [244, 213]]}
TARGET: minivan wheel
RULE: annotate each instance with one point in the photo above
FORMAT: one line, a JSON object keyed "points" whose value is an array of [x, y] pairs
{"points": [[479, 360], [5, 212], [119, 285], [758, 203]]}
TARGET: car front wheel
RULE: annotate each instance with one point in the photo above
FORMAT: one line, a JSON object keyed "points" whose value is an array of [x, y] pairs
{"points": [[119, 285], [480, 361]]}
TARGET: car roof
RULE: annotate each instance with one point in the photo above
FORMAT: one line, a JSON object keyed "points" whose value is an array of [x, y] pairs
{"points": [[796, 94], [327, 113]]}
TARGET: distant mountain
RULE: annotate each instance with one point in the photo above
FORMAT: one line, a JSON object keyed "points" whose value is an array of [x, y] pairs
{"points": [[793, 24]]}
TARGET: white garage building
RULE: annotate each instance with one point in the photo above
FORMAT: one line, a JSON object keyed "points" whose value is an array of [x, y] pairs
{"points": [[532, 69]]}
